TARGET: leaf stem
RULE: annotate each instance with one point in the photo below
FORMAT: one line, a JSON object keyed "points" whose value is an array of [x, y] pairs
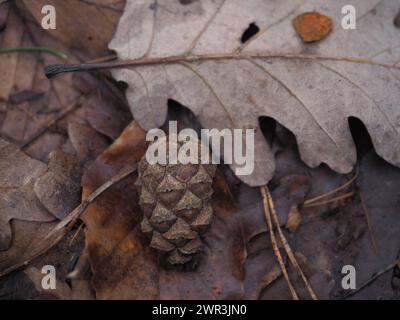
{"points": [[52, 51], [54, 69]]}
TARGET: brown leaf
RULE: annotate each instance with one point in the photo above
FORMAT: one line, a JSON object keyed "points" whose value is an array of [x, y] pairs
{"points": [[220, 273], [39, 121], [86, 141], [125, 267], [312, 26], [84, 25], [26, 235], [59, 189], [261, 270], [18, 173]]}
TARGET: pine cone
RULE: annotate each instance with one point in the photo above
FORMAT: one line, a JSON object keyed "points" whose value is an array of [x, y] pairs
{"points": [[176, 204]]}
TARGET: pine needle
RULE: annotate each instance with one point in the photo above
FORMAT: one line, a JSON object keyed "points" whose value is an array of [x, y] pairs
{"points": [[322, 203], [285, 243], [344, 186], [278, 255], [52, 51]]}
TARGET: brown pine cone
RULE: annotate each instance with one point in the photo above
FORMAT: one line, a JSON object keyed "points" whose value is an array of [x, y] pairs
{"points": [[176, 204]]}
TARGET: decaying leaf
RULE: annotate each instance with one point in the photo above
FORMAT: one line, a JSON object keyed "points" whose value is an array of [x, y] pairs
{"points": [[87, 143], [59, 189], [36, 112], [78, 23], [18, 173], [25, 236], [123, 264], [310, 89]]}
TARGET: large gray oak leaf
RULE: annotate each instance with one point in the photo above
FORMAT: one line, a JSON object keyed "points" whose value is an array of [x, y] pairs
{"points": [[311, 89]]}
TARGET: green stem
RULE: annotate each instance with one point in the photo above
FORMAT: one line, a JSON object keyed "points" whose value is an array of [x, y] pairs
{"points": [[35, 49]]}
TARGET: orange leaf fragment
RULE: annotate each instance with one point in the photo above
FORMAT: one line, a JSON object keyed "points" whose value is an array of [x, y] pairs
{"points": [[312, 26]]}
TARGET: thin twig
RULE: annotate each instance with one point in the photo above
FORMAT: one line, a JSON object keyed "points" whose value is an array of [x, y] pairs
{"points": [[322, 203], [54, 69], [287, 247], [344, 186], [110, 57], [369, 224], [62, 228], [76, 234], [275, 244], [372, 279]]}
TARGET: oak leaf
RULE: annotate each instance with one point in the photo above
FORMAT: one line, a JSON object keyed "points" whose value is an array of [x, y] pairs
{"points": [[193, 54]]}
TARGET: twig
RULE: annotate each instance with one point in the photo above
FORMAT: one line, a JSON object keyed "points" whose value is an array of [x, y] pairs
{"points": [[76, 234], [54, 69], [286, 245], [52, 51], [344, 186], [322, 203], [275, 245], [369, 224], [372, 279], [62, 228], [63, 114], [110, 57]]}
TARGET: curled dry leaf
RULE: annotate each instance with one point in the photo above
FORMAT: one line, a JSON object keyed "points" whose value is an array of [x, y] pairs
{"points": [[208, 69], [124, 266]]}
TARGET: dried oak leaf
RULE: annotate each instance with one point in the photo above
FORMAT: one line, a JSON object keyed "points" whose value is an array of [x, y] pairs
{"points": [[123, 265], [18, 173], [313, 95], [312, 26]]}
